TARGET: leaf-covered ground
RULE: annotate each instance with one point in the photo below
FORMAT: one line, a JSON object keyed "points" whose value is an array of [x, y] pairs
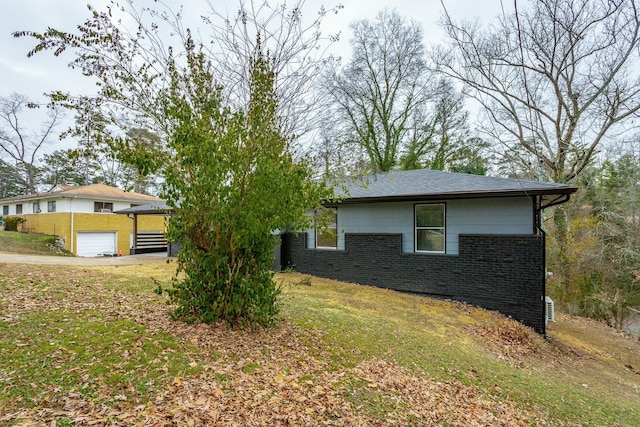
{"points": [[95, 346]]}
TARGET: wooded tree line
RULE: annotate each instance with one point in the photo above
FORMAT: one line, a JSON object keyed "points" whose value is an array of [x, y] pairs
{"points": [[603, 243], [28, 167], [556, 84]]}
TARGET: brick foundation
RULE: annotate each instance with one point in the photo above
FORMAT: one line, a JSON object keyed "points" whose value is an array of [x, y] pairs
{"points": [[497, 272]]}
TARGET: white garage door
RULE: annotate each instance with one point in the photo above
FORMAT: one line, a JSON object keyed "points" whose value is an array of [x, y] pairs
{"points": [[96, 243]]}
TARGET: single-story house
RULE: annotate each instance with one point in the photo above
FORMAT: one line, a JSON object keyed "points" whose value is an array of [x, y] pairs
{"points": [[471, 238], [83, 217]]}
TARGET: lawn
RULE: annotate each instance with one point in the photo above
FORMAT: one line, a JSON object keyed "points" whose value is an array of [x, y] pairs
{"points": [[95, 346], [30, 243]]}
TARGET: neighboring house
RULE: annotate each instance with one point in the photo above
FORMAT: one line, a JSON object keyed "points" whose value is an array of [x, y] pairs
{"points": [[83, 217], [463, 237]]}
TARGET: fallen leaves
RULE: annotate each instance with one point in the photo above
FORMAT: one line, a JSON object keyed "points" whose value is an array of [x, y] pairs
{"points": [[509, 339], [281, 376], [437, 402]]}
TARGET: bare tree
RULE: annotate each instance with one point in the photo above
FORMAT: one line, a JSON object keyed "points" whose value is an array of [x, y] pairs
{"points": [[451, 125], [379, 97], [297, 47], [555, 78], [128, 47], [20, 145], [446, 140]]}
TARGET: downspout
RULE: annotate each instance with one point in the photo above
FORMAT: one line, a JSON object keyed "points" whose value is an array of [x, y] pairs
{"points": [[71, 231], [543, 273], [71, 226], [540, 230], [558, 201]]}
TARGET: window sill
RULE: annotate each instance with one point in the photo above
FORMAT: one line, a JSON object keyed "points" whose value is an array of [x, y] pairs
{"points": [[430, 252]]}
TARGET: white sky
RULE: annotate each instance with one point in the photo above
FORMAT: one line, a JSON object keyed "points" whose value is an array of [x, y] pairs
{"points": [[44, 73]]}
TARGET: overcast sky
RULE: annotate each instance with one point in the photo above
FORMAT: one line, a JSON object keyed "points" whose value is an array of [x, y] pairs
{"points": [[43, 72]]}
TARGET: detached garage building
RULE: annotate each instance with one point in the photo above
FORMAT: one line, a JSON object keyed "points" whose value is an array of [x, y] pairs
{"points": [[83, 216]]}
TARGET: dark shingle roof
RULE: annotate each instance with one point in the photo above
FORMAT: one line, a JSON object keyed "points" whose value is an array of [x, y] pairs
{"points": [[425, 184], [421, 184], [155, 208]]}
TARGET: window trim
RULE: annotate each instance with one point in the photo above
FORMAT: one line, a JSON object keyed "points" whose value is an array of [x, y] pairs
{"points": [[335, 228], [19, 205], [5, 210], [97, 209], [416, 228], [51, 206], [35, 207]]}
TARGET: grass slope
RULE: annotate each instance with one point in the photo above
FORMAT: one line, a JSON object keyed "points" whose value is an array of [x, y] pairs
{"points": [[95, 346], [30, 243]]}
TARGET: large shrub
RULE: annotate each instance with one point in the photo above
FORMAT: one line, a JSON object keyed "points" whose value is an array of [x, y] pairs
{"points": [[11, 223], [233, 183]]}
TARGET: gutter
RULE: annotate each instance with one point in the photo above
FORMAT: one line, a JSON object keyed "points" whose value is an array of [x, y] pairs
{"points": [[563, 196], [557, 201]]}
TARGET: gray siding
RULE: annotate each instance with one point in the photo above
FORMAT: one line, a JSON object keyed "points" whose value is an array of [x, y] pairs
{"points": [[377, 218], [487, 216], [472, 216]]}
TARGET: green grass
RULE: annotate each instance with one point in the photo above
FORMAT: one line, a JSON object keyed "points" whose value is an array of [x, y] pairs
{"points": [[79, 353], [82, 332], [365, 322], [29, 243], [433, 338]]}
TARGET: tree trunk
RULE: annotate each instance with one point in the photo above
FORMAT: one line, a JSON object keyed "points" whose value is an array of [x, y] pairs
{"points": [[563, 267]]}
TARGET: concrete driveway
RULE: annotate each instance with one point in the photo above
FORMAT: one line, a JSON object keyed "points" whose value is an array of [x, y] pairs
{"points": [[11, 258]]}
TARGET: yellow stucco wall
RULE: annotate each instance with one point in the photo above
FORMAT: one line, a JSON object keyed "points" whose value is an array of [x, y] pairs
{"points": [[60, 224]]}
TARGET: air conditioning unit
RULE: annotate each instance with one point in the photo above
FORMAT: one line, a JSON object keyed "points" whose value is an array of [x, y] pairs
{"points": [[549, 315], [105, 210]]}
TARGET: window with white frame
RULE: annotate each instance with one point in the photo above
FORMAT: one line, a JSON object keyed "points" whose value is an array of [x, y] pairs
{"points": [[5, 210], [19, 209], [36, 207], [327, 229], [430, 228], [51, 206]]}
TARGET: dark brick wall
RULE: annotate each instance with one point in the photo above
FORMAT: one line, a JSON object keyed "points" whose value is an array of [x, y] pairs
{"points": [[497, 272]]}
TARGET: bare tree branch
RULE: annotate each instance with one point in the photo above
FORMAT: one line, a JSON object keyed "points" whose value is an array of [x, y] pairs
{"points": [[127, 48], [381, 90], [555, 78], [20, 145]]}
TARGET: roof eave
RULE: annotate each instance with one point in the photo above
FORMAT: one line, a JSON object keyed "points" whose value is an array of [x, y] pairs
{"points": [[108, 198], [28, 198], [458, 195], [132, 211]]}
